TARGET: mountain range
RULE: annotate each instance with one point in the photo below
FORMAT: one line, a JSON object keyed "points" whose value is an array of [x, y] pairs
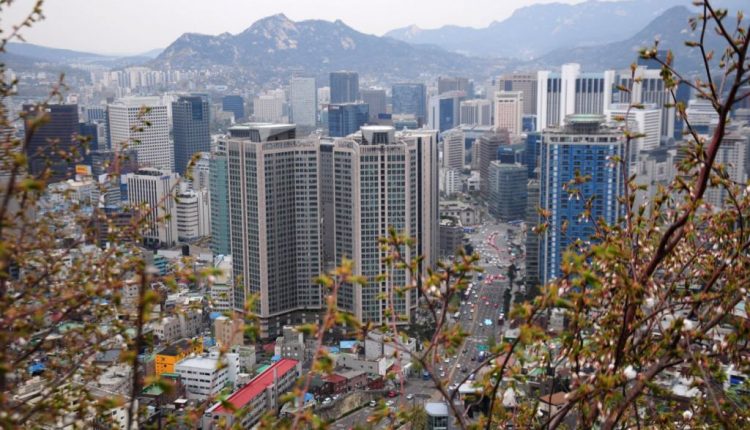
{"points": [[273, 46], [597, 34], [533, 31]]}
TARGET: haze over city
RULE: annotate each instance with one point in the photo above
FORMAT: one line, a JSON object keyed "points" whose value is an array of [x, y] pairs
{"points": [[137, 26]]}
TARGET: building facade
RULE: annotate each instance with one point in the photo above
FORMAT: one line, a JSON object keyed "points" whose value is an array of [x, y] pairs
{"points": [[454, 151], [526, 83], [375, 100], [274, 213], [583, 146], [190, 118], [509, 111], [383, 180], [346, 118], [303, 101], [142, 124], [234, 104], [48, 139], [344, 87], [571, 92], [154, 191], [475, 112], [508, 193], [410, 99]]}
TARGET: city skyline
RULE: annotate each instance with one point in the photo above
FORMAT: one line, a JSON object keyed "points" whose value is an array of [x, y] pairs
{"points": [[159, 28]]}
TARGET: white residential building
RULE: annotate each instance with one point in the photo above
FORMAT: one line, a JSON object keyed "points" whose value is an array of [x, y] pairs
{"points": [[202, 376], [128, 118], [303, 97], [221, 290], [156, 189], [509, 111]]}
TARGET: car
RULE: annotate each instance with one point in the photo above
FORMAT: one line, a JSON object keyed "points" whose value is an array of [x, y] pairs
{"points": [[472, 377], [497, 305], [389, 403], [442, 374], [373, 403], [392, 394], [464, 369], [327, 401], [446, 360], [409, 396]]}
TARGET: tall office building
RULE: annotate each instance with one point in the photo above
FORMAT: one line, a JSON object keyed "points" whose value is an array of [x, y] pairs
{"points": [[447, 84], [734, 155], [508, 193], [509, 111], [344, 87], [582, 145], [274, 219], [303, 101], [475, 112], [648, 88], [383, 179], [646, 121], [444, 110], [268, 107], [128, 118], [532, 238], [375, 100], [190, 118], [234, 104], [571, 92], [49, 139], [219, 195], [156, 190], [526, 83], [410, 99], [487, 146], [346, 118], [454, 151]]}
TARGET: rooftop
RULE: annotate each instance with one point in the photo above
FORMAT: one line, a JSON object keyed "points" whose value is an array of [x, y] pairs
{"points": [[252, 389], [201, 362]]}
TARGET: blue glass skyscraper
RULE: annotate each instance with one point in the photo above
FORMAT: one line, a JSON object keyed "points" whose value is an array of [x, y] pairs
{"points": [[234, 104], [190, 116], [586, 146], [346, 118]]}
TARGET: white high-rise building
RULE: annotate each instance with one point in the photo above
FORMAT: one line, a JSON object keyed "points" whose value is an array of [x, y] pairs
{"points": [[454, 151], [268, 108], [571, 92], [384, 180], [193, 215], [128, 118], [645, 121], [450, 181], [476, 112], [648, 87], [303, 97], [324, 96], [156, 190], [509, 111], [733, 155]]}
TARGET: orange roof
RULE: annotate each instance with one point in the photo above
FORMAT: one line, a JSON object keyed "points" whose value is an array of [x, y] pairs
{"points": [[556, 399], [252, 389]]}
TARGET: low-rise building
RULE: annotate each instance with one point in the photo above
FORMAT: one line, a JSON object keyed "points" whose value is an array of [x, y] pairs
{"points": [[254, 399], [204, 376], [169, 356], [229, 331], [464, 212]]}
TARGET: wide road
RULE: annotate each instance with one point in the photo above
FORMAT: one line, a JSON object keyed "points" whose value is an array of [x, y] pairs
{"points": [[485, 302]]}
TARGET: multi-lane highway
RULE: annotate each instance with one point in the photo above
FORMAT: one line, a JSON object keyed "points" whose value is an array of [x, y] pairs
{"points": [[483, 304], [480, 310]]}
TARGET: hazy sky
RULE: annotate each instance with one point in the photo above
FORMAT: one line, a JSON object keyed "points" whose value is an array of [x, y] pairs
{"points": [[134, 26]]}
